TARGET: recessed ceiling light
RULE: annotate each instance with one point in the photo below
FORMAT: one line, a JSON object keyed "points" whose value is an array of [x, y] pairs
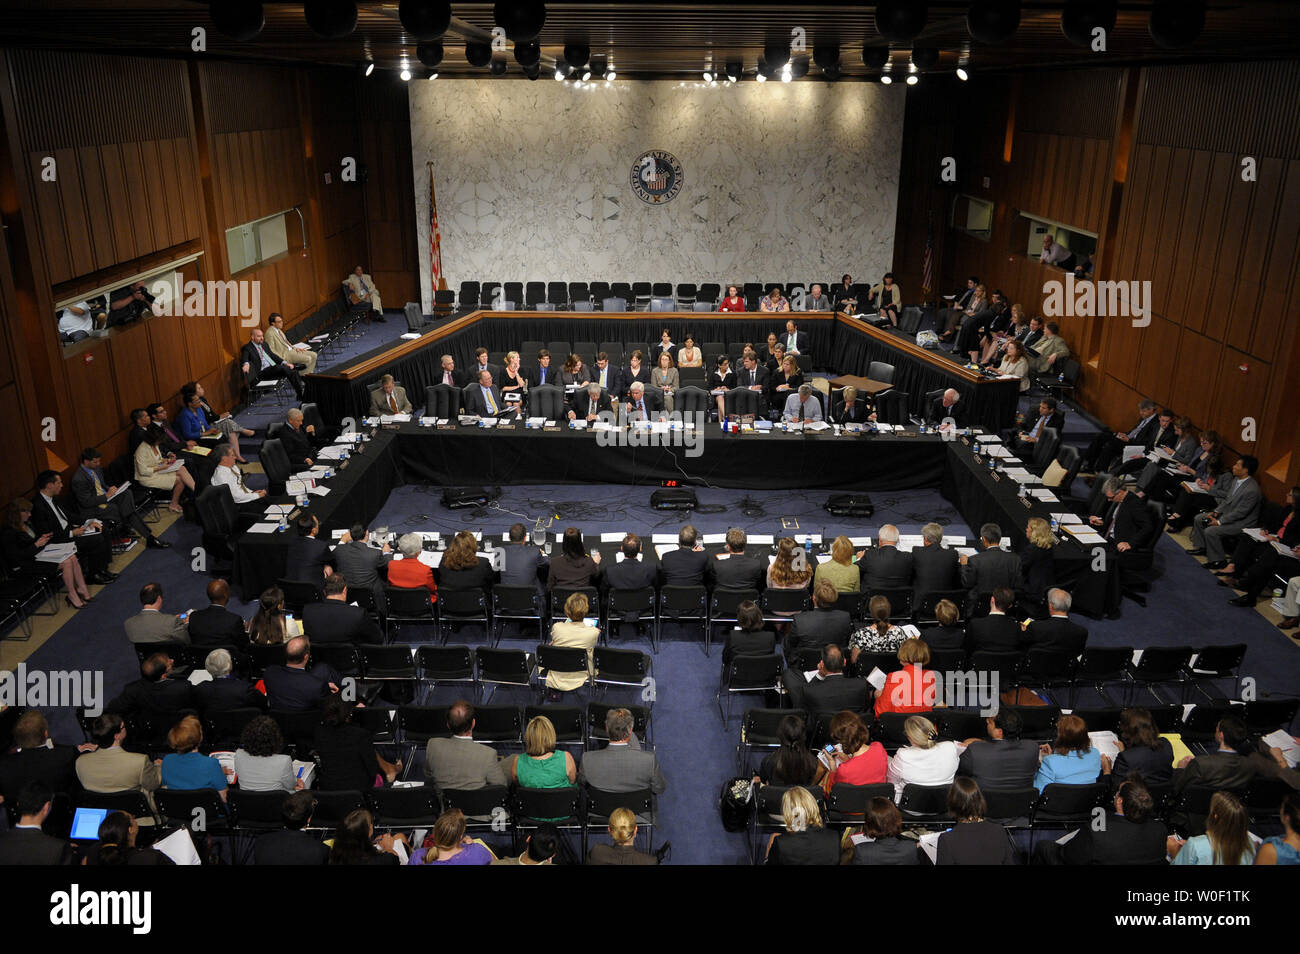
{"points": [[962, 74], [611, 75], [406, 75], [886, 79], [761, 78], [912, 80], [370, 67]]}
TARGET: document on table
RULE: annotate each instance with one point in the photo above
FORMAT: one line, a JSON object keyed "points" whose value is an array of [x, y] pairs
{"points": [[1045, 494], [953, 541], [860, 541], [264, 528], [714, 538], [318, 491], [1065, 519], [908, 541]]}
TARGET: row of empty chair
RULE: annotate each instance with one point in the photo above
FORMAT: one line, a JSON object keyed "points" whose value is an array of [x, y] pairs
{"points": [[585, 296]]}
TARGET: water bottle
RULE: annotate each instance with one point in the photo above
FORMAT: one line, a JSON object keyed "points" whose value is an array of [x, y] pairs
{"points": [[283, 523], [1024, 491], [1055, 525], [302, 499], [1061, 377], [807, 548]]}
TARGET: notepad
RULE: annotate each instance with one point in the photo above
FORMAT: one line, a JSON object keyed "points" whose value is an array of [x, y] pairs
{"points": [[264, 528]]}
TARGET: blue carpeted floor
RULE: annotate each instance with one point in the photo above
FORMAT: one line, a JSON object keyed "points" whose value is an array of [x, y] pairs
{"points": [[697, 754]]}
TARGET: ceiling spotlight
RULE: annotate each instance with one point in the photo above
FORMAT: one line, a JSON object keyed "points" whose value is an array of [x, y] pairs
{"points": [[786, 73], [497, 67], [825, 56], [708, 77], [993, 21], [429, 52], [405, 74], [521, 19], [528, 54], [886, 79], [962, 74], [761, 77], [586, 75], [576, 54], [900, 20], [875, 57], [735, 69], [1079, 18], [425, 19], [478, 54], [925, 57], [611, 75], [559, 74], [238, 19], [777, 54], [368, 68], [331, 19], [913, 79], [831, 73], [433, 75]]}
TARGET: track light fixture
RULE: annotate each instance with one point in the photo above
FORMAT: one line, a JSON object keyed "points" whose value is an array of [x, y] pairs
{"points": [[424, 19], [331, 19], [240, 20]]}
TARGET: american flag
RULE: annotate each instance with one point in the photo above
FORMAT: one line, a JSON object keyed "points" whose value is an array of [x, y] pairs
{"points": [[435, 237], [927, 270]]}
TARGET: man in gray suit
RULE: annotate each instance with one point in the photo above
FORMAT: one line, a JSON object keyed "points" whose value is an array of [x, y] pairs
{"points": [[460, 763], [522, 560], [621, 766], [991, 567], [1238, 509], [1006, 761], [151, 625], [361, 563]]}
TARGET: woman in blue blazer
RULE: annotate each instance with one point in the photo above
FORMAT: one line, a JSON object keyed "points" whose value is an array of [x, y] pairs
{"points": [[1071, 760]]}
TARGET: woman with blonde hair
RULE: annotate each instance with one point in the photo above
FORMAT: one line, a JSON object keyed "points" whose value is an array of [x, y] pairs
{"points": [[513, 381], [448, 844], [880, 635], [574, 633], [840, 569], [1037, 563], [539, 765], [1226, 840], [782, 574], [924, 760], [912, 688], [806, 840], [665, 377], [622, 829]]}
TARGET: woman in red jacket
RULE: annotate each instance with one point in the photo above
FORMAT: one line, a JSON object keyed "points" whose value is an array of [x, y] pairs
{"points": [[734, 300], [910, 689], [409, 572]]}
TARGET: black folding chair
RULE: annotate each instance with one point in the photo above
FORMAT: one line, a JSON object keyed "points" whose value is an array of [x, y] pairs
{"points": [[748, 674], [683, 604], [408, 604], [444, 665]]}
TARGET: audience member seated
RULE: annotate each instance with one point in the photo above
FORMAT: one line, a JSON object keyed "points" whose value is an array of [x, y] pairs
{"points": [[924, 760], [270, 625], [37, 759], [1142, 750], [299, 685], [1283, 849], [1015, 365], [1058, 633], [733, 568], [1228, 766], [1056, 254], [459, 763], [522, 559], [912, 688], [450, 845], [292, 845], [25, 843], [355, 842], [110, 767], [279, 345], [1048, 416], [1106, 446], [482, 364], [409, 571], [1003, 761], [346, 753], [1129, 836], [1071, 759], [748, 637], [774, 300], [632, 572], [686, 565], [1048, 354], [839, 570], [817, 300], [207, 422], [539, 765], [575, 373], [364, 566], [829, 689], [299, 441], [992, 566], [572, 633], [1037, 563], [225, 691], [214, 625], [160, 691], [151, 624], [950, 634], [619, 767], [885, 566], [884, 844], [806, 840], [389, 398], [820, 626], [1226, 840], [98, 499], [622, 831], [78, 321], [250, 503], [857, 760], [934, 566], [361, 291], [1237, 507], [1255, 563], [972, 840], [572, 568], [310, 559], [733, 300], [878, 636], [539, 374], [187, 769], [116, 845], [260, 762], [19, 545], [792, 763], [721, 380], [540, 847], [157, 472], [801, 407], [782, 573], [258, 364], [888, 298]]}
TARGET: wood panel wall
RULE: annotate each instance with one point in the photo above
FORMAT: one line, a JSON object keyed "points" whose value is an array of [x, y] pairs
{"points": [[1149, 160]]}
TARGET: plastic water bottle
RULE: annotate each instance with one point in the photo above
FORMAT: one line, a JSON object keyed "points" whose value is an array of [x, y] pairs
{"points": [[807, 547], [302, 499], [1024, 491], [1061, 377], [1056, 526], [283, 523]]}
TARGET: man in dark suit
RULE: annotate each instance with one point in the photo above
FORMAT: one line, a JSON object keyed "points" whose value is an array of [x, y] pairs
{"points": [[997, 632], [1058, 633], [609, 376], [483, 398], [1128, 837], [36, 759], [1126, 525], [140, 422], [830, 690], [26, 844], [684, 566], [641, 405], [334, 620], [734, 569], [363, 566], [1225, 767], [885, 567], [934, 566], [448, 375], [91, 490], [754, 376], [748, 638], [633, 572], [819, 626], [1049, 415], [299, 685], [172, 442], [1005, 760], [299, 441], [588, 404], [310, 558], [795, 341], [522, 560], [225, 691], [258, 364], [947, 405], [1105, 447], [214, 625], [622, 766], [992, 566], [158, 691], [292, 846], [542, 372], [481, 364], [52, 516]]}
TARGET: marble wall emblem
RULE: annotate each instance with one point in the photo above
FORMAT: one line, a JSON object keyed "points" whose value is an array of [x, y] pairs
{"points": [[656, 177]]}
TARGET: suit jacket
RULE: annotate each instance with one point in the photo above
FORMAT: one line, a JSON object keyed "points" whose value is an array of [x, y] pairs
{"points": [[739, 571], [458, 378], [580, 404], [298, 690], [996, 633], [1045, 348], [333, 621], [298, 445], [629, 574], [475, 404], [360, 563], [289, 848], [1038, 568], [682, 567], [116, 770], [989, 569], [815, 628], [798, 342], [886, 568], [553, 375], [619, 855], [248, 356], [615, 379], [83, 492], [762, 377], [934, 568], [307, 559], [622, 768], [29, 846], [1004, 764], [226, 693], [56, 767], [945, 637], [740, 642], [44, 520], [1239, 510], [379, 401], [1119, 842], [215, 626], [1217, 770], [165, 697], [1132, 520], [976, 843], [816, 846], [462, 764], [936, 412], [151, 626], [836, 693], [1055, 420], [1057, 634], [522, 561]]}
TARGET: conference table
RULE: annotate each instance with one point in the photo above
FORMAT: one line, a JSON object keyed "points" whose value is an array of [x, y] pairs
{"points": [[458, 455], [841, 344]]}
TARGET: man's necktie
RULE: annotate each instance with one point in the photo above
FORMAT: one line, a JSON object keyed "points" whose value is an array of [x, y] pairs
{"points": [[446, 377], [640, 406], [542, 377], [491, 404], [99, 488], [1034, 432], [1114, 516], [266, 362], [392, 403], [603, 372]]}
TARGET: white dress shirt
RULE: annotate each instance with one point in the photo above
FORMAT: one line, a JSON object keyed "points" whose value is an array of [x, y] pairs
{"points": [[230, 477]]}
